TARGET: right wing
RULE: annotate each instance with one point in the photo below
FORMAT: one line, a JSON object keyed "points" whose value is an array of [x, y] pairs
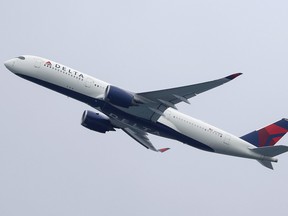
{"points": [[137, 134], [142, 138]]}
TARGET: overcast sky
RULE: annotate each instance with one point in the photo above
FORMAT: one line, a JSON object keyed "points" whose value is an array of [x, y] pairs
{"points": [[51, 165]]}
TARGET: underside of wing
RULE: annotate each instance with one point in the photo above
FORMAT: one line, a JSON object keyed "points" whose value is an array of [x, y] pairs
{"points": [[182, 94], [139, 135], [142, 138], [156, 102]]}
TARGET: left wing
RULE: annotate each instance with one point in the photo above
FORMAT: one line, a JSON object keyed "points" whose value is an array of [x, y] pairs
{"points": [[170, 97], [156, 102], [142, 138]]}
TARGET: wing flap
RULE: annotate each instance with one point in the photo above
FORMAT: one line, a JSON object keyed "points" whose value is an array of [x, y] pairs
{"points": [[271, 151]]}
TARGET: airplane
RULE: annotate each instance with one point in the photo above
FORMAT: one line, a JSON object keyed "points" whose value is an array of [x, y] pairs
{"points": [[153, 112]]}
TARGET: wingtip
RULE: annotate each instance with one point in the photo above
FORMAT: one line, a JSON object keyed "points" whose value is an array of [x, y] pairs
{"points": [[163, 150], [233, 76]]}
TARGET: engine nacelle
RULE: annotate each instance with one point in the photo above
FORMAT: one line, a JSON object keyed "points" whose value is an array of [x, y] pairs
{"points": [[120, 97], [96, 122]]}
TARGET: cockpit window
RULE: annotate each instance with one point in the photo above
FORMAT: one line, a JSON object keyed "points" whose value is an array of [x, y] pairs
{"points": [[21, 57]]}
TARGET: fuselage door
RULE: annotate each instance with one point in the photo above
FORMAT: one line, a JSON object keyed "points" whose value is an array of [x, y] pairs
{"points": [[88, 82], [37, 63], [227, 139]]}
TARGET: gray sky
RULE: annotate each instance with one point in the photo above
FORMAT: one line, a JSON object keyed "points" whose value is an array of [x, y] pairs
{"points": [[50, 165]]}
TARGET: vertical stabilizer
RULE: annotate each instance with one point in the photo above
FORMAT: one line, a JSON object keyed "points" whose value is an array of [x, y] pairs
{"points": [[269, 135]]}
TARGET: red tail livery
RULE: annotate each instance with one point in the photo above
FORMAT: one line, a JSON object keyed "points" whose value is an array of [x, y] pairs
{"points": [[269, 135]]}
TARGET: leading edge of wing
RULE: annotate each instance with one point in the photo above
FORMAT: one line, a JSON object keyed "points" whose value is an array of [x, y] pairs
{"points": [[182, 94]]}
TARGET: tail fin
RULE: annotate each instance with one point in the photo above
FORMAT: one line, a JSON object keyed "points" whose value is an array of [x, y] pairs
{"points": [[269, 135]]}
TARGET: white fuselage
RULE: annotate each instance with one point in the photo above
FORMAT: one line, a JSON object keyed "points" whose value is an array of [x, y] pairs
{"points": [[221, 141], [58, 75]]}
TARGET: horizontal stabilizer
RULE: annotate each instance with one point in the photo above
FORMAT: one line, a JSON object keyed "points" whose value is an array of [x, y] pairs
{"points": [[267, 164], [268, 154], [271, 151]]}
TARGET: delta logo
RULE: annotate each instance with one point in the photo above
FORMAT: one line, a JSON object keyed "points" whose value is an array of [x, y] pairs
{"points": [[64, 69], [48, 63]]}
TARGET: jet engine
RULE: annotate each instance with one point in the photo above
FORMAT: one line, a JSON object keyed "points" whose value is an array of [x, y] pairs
{"points": [[96, 122], [120, 97]]}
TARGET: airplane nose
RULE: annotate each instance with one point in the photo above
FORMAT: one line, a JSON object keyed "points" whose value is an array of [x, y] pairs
{"points": [[9, 64]]}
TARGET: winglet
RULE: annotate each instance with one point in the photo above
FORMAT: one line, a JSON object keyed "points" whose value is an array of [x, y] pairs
{"points": [[233, 76], [163, 150]]}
